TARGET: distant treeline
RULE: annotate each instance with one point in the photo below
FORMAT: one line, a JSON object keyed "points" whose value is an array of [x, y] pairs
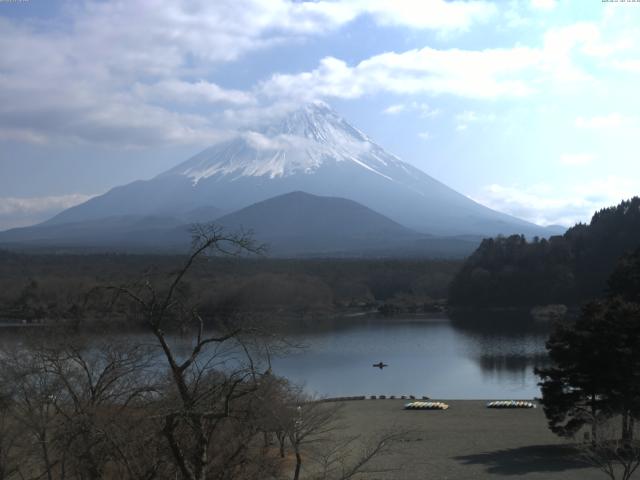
{"points": [[566, 269], [50, 287]]}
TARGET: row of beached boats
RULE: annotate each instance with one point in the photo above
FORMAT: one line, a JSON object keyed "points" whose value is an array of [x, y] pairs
{"points": [[426, 406], [495, 404], [511, 404]]}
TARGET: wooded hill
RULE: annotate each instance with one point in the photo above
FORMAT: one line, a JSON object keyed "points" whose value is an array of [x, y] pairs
{"points": [[511, 271]]}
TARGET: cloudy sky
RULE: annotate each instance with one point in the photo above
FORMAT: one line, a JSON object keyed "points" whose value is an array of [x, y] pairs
{"points": [[528, 106]]}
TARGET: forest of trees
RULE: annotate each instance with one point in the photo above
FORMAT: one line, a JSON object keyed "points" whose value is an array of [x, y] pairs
{"points": [[55, 287], [512, 271]]}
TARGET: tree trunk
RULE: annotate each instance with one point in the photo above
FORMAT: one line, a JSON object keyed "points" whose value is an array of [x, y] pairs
{"points": [[45, 454], [281, 441], [202, 446], [594, 422], [626, 434], [179, 457], [296, 474]]}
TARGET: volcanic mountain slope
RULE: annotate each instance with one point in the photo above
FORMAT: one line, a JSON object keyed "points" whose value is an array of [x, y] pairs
{"points": [[299, 223], [295, 224], [311, 150], [118, 232]]}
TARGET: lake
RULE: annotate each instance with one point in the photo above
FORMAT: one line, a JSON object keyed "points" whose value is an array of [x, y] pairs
{"points": [[436, 357], [473, 356]]}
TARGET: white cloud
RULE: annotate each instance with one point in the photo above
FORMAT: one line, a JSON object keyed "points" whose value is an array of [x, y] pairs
{"points": [[160, 61], [483, 74], [627, 65], [491, 73], [439, 15], [423, 109], [11, 205], [260, 141], [466, 118], [607, 121], [603, 122], [55, 88], [254, 115], [567, 59], [425, 135], [20, 212], [394, 109], [565, 205], [61, 73], [23, 135], [543, 4], [561, 44], [201, 91], [576, 159]]}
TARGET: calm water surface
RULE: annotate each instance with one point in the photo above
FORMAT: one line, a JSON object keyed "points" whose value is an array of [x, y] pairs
{"points": [[434, 357], [464, 358]]}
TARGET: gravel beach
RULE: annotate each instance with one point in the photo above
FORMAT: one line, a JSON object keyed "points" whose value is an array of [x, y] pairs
{"points": [[467, 441]]}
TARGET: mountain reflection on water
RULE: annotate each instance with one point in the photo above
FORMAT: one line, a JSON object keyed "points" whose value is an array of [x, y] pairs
{"points": [[471, 355]]}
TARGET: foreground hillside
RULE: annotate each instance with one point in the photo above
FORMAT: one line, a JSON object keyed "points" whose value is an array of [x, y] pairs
{"points": [[508, 271]]}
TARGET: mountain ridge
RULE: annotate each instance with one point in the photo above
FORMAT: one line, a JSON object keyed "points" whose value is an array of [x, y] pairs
{"points": [[298, 222], [313, 150], [295, 224]]}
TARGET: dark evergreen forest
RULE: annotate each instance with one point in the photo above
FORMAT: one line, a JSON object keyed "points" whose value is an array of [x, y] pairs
{"points": [[569, 269]]}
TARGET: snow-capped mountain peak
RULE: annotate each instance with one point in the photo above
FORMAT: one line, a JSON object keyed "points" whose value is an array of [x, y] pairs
{"points": [[301, 142], [312, 150]]}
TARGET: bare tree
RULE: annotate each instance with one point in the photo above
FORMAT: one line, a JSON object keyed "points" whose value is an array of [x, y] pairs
{"points": [[313, 422], [100, 381], [346, 458], [615, 456], [10, 437], [317, 432], [33, 392], [204, 385], [72, 398]]}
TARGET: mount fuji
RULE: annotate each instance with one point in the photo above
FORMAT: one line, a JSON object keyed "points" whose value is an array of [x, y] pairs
{"points": [[311, 150]]}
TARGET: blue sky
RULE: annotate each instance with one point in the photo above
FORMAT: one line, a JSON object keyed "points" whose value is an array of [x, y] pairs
{"points": [[528, 106]]}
